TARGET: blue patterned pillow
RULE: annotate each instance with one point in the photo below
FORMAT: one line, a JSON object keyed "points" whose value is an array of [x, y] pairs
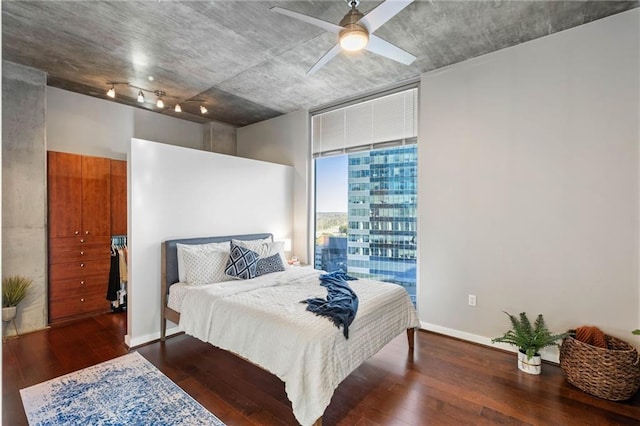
{"points": [[267, 265], [242, 263]]}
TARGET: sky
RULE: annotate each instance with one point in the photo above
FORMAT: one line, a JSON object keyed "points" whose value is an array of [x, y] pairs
{"points": [[331, 184]]}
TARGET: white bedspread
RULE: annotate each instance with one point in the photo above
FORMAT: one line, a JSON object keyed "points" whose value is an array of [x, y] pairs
{"points": [[263, 321]]}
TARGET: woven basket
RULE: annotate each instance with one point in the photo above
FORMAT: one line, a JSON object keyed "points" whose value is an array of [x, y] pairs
{"points": [[612, 373]]}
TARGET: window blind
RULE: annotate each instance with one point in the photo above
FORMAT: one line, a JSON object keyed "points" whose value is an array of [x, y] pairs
{"points": [[384, 120]]}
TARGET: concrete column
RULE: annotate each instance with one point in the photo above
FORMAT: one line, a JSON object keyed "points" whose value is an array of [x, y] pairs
{"points": [[24, 195], [220, 138]]}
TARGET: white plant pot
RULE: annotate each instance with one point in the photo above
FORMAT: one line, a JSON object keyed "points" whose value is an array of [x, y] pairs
{"points": [[531, 366], [9, 313]]}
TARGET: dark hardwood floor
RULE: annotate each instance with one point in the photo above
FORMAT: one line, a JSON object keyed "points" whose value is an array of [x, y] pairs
{"points": [[444, 381]]}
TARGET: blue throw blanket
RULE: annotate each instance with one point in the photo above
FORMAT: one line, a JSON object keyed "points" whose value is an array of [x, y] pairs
{"points": [[341, 304]]}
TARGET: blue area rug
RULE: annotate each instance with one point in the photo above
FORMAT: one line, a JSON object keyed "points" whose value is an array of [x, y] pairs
{"points": [[128, 390]]}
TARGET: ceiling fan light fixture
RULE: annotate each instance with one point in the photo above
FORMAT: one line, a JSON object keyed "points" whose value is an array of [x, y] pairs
{"points": [[355, 36], [354, 39]]}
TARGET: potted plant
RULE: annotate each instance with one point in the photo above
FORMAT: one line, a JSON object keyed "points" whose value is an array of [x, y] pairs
{"points": [[529, 339], [14, 290]]}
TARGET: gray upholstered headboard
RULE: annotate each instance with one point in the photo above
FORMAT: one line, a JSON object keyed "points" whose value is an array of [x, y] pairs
{"points": [[170, 252]]}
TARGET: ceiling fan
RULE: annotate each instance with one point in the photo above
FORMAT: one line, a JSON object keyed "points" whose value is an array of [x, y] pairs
{"points": [[356, 31]]}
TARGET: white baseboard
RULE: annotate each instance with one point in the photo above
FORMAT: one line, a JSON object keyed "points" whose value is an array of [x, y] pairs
{"points": [[548, 354], [141, 340]]}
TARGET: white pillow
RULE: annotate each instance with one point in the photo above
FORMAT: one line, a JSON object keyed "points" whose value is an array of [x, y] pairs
{"points": [[205, 266], [265, 248], [182, 276], [253, 245]]}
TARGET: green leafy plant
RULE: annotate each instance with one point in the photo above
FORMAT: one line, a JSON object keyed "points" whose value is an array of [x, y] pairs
{"points": [[529, 338], [14, 290], [636, 331]]}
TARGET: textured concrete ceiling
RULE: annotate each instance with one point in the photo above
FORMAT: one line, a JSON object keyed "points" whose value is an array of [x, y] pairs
{"points": [[248, 64]]}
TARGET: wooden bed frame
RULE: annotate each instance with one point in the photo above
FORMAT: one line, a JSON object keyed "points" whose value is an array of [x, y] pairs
{"points": [[169, 276]]}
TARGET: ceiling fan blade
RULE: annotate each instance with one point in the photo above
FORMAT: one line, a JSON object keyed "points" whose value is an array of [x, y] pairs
{"points": [[309, 19], [381, 14], [384, 48], [332, 53]]}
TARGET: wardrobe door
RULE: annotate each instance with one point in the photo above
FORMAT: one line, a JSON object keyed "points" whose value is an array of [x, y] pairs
{"points": [[118, 197], [96, 196], [65, 194], [79, 235]]}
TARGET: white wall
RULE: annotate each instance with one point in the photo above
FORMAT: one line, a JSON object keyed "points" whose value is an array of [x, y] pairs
{"points": [[285, 140], [90, 126], [176, 192], [529, 192], [152, 126]]}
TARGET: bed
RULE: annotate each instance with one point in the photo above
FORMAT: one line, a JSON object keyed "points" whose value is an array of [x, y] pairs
{"points": [[246, 317]]}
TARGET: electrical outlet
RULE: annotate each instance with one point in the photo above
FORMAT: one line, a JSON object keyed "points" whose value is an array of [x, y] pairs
{"points": [[472, 300]]}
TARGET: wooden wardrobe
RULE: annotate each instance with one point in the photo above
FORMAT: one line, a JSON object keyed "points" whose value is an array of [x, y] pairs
{"points": [[87, 204]]}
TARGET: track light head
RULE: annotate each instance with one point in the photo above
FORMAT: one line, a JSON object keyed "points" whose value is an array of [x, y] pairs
{"points": [[177, 108], [141, 97], [159, 94], [111, 92], [203, 109]]}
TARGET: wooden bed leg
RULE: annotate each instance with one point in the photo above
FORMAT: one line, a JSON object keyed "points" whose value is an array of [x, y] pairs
{"points": [[318, 422], [163, 329], [410, 337]]}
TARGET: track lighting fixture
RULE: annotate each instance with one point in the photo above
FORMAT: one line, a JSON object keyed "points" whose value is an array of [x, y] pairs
{"points": [[160, 94]]}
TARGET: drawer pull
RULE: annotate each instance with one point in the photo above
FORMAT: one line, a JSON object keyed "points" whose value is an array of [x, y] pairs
{"points": [[81, 253], [77, 232], [82, 265], [82, 240], [81, 282], [82, 300], [86, 232]]}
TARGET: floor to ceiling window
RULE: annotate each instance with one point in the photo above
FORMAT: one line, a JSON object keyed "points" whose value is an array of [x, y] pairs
{"points": [[366, 189]]}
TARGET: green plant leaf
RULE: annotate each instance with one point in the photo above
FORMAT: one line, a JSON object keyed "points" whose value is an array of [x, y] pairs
{"points": [[528, 338], [14, 290]]}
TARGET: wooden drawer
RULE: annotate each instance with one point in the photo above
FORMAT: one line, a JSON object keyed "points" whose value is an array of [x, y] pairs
{"points": [[78, 286], [70, 306], [79, 270], [63, 250]]}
